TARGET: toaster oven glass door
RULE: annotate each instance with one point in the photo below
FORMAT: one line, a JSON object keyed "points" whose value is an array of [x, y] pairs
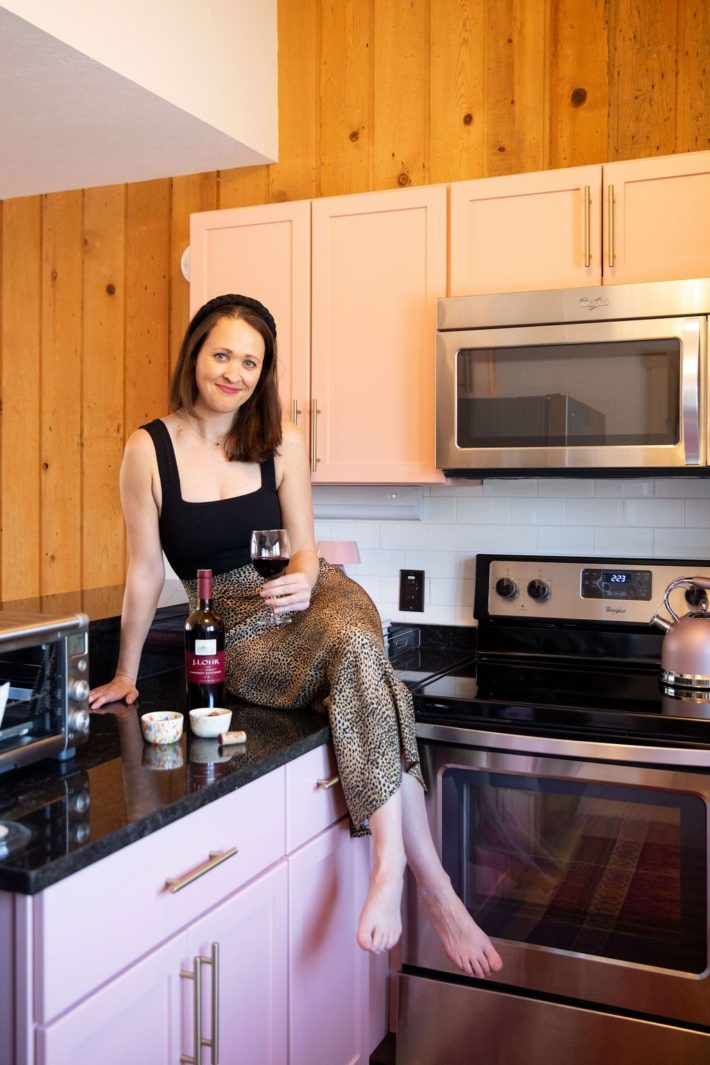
{"points": [[34, 705]]}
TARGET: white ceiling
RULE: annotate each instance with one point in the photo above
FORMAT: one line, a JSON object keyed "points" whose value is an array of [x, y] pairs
{"points": [[67, 121]]}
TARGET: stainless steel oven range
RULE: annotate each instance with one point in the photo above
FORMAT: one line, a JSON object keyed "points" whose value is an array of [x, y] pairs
{"points": [[568, 797]]}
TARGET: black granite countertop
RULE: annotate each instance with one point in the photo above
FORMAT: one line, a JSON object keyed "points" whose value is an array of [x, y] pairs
{"points": [[119, 789]]}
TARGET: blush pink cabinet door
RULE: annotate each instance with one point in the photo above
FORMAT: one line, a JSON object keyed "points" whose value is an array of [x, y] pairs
{"points": [[526, 232], [252, 935], [135, 1018], [264, 252], [379, 262], [657, 218], [328, 973]]}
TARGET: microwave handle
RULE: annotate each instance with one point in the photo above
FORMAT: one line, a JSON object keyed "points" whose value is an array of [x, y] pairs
{"points": [[690, 383]]}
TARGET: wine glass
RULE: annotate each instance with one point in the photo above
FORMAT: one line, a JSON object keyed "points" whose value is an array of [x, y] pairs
{"points": [[270, 555]]}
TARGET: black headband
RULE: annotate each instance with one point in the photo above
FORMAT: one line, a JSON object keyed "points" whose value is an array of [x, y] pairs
{"points": [[232, 300]]}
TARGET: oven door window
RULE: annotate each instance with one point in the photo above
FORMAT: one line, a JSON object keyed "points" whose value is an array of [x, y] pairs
{"points": [[623, 392], [34, 705], [600, 869]]}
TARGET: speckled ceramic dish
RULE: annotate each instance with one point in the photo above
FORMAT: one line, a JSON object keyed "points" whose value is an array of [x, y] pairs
{"points": [[210, 721], [162, 726]]}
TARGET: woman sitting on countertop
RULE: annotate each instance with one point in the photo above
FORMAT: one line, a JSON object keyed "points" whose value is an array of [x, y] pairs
{"points": [[194, 484]]}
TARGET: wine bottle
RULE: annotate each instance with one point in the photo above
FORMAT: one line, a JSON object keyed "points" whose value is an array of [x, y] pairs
{"points": [[204, 649]]}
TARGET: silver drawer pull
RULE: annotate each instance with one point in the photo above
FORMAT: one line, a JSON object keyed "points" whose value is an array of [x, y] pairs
{"points": [[324, 785], [216, 858]]}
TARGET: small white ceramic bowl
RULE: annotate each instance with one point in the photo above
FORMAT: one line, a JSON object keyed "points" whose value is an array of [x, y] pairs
{"points": [[210, 721], [162, 726]]}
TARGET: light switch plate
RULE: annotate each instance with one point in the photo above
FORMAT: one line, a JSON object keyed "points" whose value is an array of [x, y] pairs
{"points": [[411, 589]]}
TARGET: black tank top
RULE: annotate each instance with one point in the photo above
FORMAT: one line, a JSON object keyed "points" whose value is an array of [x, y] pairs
{"points": [[213, 535]]}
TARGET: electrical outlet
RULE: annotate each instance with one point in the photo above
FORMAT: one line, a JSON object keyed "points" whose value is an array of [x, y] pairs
{"points": [[411, 589]]}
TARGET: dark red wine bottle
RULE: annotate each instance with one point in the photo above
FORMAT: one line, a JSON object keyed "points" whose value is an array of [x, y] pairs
{"points": [[204, 649]]}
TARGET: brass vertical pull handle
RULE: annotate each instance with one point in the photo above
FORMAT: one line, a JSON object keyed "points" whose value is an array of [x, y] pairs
{"points": [[610, 222], [314, 435], [213, 1042], [587, 222], [295, 412], [195, 975]]}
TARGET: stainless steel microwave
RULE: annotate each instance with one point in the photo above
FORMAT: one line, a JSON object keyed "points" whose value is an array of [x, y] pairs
{"points": [[591, 381]]}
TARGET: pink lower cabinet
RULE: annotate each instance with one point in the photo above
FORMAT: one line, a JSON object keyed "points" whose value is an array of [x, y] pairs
{"points": [[328, 973]]}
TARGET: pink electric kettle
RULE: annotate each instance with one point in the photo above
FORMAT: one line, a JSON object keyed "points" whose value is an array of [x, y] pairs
{"points": [[685, 654]]}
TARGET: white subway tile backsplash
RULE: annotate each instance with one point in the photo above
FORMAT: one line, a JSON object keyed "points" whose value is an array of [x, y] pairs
{"points": [[379, 563], [654, 512], [565, 540], [633, 518], [510, 487], [431, 509], [564, 487], [624, 541], [682, 487], [400, 534], [681, 543], [624, 488], [697, 513], [537, 511], [517, 539], [595, 511], [483, 511]]}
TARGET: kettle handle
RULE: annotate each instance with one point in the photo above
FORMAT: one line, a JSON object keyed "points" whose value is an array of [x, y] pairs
{"points": [[683, 582]]}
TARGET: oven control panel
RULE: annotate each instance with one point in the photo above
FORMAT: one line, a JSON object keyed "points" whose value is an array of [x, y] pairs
{"points": [[606, 590]]}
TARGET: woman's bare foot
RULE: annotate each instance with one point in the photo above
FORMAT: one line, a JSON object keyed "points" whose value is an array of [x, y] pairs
{"points": [[466, 945], [381, 920]]}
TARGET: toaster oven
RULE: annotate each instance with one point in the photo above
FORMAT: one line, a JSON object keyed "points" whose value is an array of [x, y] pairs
{"points": [[44, 686]]}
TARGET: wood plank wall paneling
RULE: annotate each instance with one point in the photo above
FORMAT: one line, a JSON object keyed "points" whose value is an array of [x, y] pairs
{"points": [[103, 372], [372, 94], [21, 410]]}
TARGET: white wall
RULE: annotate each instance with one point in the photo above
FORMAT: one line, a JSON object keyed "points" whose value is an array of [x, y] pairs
{"points": [[215, 59], [635, 518]]}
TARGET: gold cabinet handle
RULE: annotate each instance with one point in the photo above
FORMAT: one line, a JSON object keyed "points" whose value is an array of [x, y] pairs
{"points": [[295, 412], [610, 222], [195, 975], [314, 435], [213, 1043], [587, 221], [216, 858], [325, 785]]}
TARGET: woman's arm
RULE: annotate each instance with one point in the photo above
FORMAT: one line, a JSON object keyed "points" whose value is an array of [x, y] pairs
{"points": [[292, 590], [146, 569]]}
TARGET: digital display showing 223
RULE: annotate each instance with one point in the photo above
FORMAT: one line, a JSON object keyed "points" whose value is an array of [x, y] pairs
{"points": [[616, 584]]}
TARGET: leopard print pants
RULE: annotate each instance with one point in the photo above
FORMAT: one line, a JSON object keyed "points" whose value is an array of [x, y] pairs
{"points": [[331, 658]]}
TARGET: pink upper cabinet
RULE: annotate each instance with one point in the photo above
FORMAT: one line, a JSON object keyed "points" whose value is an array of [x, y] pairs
{"points": [[379, 262]]}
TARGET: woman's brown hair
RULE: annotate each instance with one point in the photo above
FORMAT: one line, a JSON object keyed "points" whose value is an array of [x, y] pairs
{"points": [[255, 434]]}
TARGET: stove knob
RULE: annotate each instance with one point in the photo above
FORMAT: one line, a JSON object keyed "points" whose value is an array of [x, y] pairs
{"points": [[79, 721], [696, 597], [506, 588], [539, 591]]}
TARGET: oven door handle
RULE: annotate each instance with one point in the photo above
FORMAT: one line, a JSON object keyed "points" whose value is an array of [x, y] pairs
{"points": [[575, 748], [690, 385]]}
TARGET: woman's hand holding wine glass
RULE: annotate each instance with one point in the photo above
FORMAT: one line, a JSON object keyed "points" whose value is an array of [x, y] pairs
{"points": [[270, 555]]}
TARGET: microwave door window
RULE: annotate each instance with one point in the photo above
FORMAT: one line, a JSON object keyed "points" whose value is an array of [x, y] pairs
{"points": [[569, 395]]}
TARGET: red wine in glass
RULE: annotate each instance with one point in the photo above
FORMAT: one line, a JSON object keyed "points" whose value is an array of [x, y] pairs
{"points": [[270, 555]]}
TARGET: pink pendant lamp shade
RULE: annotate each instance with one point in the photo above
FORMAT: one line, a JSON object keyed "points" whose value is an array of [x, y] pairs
{"points": [[338, 552]]}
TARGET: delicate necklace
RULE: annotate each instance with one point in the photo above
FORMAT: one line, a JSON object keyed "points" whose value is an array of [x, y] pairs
{"points": [[205, 439]]}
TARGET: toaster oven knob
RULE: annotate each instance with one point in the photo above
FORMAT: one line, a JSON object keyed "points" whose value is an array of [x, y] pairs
{"points": [[539, 590], [79, 721], [506, 588], [79, 691]]}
